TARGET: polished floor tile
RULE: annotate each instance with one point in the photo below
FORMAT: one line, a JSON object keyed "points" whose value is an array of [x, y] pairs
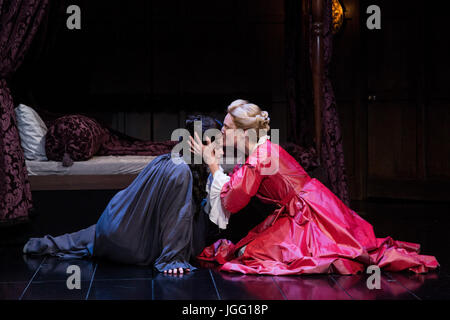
{"points": [[109, 271], [14, 266], [196, 285], [38, 278], [121, 290], [55, 290], [424, 286], [11, 290], [246, 287], [55, 269], [356, 286], [311, 287]]}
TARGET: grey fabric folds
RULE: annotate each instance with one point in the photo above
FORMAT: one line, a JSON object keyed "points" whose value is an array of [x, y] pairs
{"points": [[148, 223], [151, 220], [71, 245]]}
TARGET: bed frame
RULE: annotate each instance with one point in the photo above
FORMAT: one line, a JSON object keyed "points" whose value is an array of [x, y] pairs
{"points": [[121, 181], [81, 182]]}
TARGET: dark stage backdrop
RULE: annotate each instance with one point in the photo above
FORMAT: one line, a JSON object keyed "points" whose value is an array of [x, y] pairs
{"points": [[141, 65], [393, 96]]}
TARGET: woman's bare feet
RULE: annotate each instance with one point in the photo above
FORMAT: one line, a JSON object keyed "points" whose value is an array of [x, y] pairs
{"points": [[176, 271]]}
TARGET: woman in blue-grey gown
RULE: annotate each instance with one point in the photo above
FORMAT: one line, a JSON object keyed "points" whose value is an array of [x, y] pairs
{"points": [[157, 220]]}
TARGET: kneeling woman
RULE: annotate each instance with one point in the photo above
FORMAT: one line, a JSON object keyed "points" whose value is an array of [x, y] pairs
{"points": [[312, 231], [154, 221]]}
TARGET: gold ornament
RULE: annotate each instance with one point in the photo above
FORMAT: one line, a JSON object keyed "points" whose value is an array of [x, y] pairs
{"points": [[338, 16]]}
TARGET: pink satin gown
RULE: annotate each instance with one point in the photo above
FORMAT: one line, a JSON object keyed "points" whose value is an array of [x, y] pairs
{"points": [[312, 231]]}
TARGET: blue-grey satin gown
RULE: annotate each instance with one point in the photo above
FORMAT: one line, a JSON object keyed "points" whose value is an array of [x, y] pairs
{"points": [[150, 222]]}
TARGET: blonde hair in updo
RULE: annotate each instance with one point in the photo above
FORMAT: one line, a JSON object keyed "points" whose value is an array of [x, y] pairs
{"points": [[247, 115]]}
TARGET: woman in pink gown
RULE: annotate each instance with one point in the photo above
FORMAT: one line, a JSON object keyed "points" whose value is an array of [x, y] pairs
{"points": [[312, 231]]}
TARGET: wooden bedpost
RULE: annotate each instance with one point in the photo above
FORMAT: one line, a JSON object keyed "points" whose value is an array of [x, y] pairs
{"points": [[317, 7]]}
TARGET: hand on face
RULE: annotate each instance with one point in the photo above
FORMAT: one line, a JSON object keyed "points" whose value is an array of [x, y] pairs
{"points": [[211, 152]]}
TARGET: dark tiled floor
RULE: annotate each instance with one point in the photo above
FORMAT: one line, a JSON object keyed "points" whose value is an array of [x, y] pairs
{"points": [[26, 278]]}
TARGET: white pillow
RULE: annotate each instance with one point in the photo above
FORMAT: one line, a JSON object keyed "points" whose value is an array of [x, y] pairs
{"points": [[32, 131]]}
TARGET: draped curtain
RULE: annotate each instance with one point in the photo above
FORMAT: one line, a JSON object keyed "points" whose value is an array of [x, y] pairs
{"points": [[300, 91], [298, 73], [332, 152], [19, 21]]}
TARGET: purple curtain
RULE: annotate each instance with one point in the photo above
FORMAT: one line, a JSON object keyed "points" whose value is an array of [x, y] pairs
{"points": [[298, 26], [332, 152], [19, 21]]}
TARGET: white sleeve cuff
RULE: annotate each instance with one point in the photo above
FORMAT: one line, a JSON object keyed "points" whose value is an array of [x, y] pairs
{"points": [[218, 214]]}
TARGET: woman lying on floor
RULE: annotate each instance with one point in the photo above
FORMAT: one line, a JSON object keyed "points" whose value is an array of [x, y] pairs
{"points": [[312, 231], [157, 220]]}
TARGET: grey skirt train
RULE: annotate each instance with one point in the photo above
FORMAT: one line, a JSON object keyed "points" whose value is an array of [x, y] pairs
{"points": [[151, 222]]}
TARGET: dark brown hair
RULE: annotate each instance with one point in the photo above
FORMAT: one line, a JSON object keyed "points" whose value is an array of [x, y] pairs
{"points": [[200, 171]]}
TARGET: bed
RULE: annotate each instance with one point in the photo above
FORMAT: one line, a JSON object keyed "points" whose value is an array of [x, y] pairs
{"points": [[97, 173], [76, 152]]}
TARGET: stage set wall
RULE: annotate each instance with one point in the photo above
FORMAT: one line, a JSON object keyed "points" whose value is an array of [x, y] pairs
{"points": [[143, 67]]}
